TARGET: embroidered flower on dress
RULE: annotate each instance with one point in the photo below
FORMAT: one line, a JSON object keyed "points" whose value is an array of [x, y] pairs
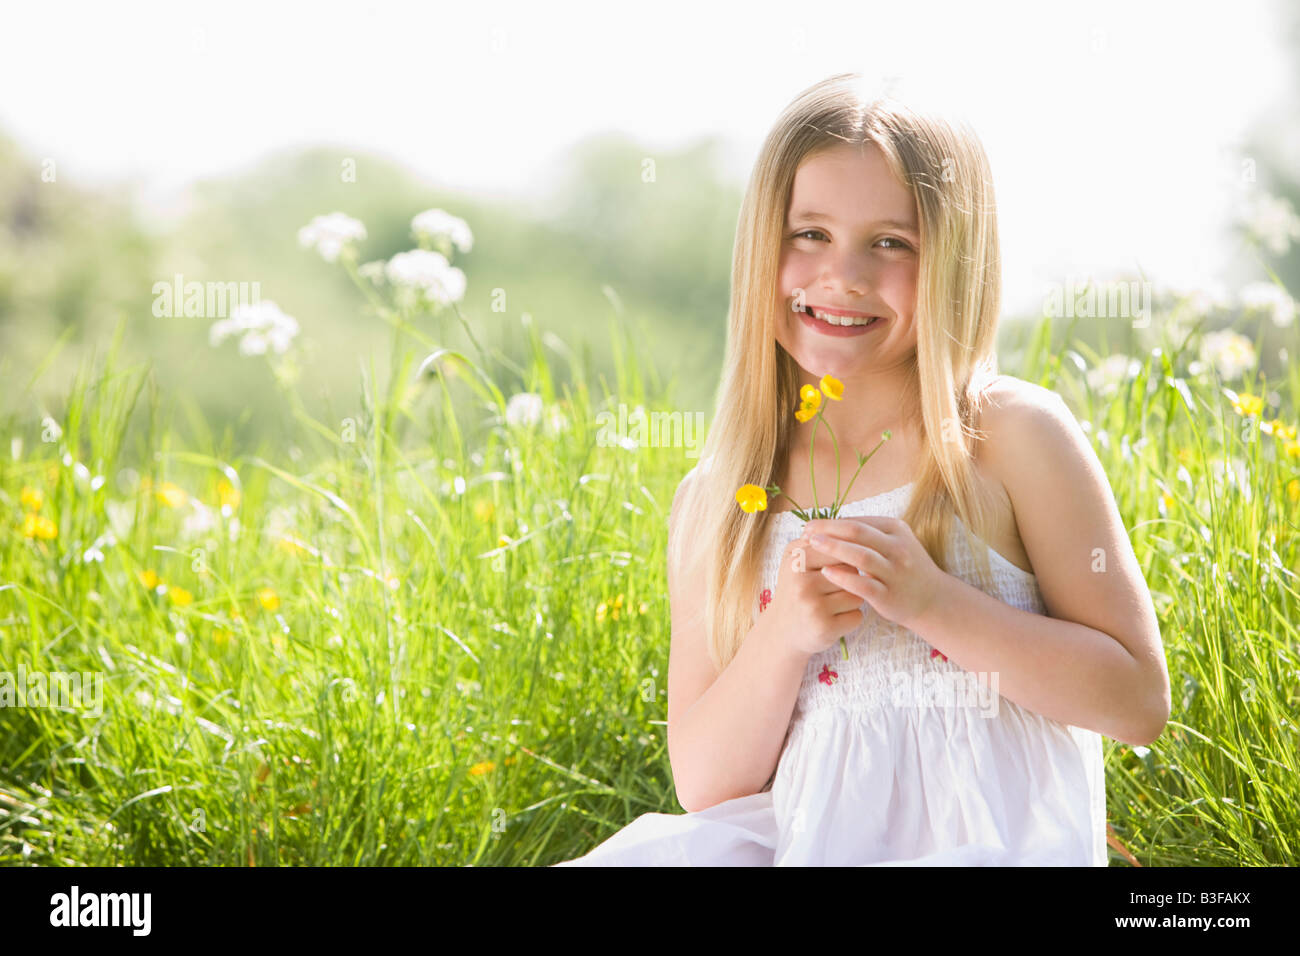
{"points": [[764, 599], [934, 652], [827, 676]]}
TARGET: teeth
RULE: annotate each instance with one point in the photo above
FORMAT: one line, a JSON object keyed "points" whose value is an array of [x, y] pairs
{"points": [[838, 319]]}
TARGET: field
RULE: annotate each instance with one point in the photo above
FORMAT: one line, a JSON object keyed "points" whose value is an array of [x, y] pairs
{"points": [[434, 629]]}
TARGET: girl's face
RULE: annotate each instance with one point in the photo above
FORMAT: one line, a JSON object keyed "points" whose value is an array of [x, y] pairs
{"points": [[851, 244]]}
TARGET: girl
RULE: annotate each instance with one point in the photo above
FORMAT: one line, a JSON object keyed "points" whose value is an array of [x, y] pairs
{"points": [[997, 621]]}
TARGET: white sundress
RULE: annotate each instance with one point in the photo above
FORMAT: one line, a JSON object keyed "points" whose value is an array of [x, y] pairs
{"points": [[868, 777]]}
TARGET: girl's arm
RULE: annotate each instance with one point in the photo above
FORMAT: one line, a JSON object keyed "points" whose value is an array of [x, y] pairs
{"points": [[725, 731], [1097, 662]]}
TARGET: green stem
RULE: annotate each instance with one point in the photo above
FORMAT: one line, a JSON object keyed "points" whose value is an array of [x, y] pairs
{"points": [[835, 508], [812, 447], [861, 465]]}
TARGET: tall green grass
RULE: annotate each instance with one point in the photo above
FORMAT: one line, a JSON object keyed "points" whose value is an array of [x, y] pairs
{"points": [[436, 637]]}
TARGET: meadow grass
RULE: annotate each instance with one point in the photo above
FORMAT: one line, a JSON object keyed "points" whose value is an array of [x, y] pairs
{"points": [[430, 633]]}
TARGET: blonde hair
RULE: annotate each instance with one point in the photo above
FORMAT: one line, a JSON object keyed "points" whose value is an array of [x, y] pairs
{"points": [[958, 297]]}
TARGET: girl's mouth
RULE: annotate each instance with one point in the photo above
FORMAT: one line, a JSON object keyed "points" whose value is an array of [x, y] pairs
{"points": [[830, 324]]}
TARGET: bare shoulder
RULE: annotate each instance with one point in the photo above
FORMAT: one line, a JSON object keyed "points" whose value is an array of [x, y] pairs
{"points": [[1065, 509], [1020, 421], [1006, 392]]}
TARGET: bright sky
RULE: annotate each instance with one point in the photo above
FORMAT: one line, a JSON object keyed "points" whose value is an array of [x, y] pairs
{"points": [[1110, 125]]}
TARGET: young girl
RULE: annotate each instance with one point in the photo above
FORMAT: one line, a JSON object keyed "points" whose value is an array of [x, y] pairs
{"points": [[996, 620]]}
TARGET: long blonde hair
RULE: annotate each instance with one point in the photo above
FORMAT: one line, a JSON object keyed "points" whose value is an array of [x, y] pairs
{"points": [[958, 298]]}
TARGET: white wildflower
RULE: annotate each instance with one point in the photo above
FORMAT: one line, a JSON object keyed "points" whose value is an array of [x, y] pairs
{"points": [[556, 420], [1113, 371], [1231, 354], [81, 477], [95, 552], [329, 235], [438, 223], [1272, 221], [121, 517], [524, 408], [1208, 296], [200, 520], [429, 273], [260, 325], [281, 522], [1269, 298]]}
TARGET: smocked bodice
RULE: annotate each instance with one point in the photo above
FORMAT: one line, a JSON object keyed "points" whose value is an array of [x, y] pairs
{"points": [[886, 660]]}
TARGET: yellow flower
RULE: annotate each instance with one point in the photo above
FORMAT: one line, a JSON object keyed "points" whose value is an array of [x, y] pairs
{"points": [[610, 610], [37, 526], [643, 607], [268, 599], [31, 498], [804, 413], [148, 578], [1291, 448], [227, 496], [1278, 429], [751, 498], [291, 545], [481, 768], [221, 637], [832, 387], [1248, 405], [1168, 501], [171, 495], [503, 540], [483, 510], [180, 596], [1293, 489], [809, 395], [1185, 455]]}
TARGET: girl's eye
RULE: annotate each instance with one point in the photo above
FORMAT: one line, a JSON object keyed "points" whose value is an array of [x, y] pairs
{"points": [[898, 243]]}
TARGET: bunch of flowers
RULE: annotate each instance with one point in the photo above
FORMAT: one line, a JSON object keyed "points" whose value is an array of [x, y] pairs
{"points": [[752, 498]]}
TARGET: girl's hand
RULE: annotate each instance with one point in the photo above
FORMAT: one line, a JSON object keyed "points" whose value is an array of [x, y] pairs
{"points": [[880, 560], [810, 611]]}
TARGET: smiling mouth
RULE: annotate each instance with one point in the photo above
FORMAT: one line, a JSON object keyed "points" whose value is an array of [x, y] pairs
{"points": [[839, 321]]}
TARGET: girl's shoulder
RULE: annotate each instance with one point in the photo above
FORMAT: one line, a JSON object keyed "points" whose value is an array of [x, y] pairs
{"points": [[1009, 392], [1021, 421]]}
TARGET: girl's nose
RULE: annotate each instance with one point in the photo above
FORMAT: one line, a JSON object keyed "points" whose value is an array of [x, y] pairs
{"points": [[846, 273]]}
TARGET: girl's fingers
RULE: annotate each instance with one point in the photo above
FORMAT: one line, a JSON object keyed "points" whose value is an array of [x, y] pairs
{"points": [[861, 558], [848, 579], [844, 602]]}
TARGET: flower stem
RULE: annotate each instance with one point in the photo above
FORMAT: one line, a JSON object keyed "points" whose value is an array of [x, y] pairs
{"points": [[860, 466], [812, 446], [835, 508]]}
